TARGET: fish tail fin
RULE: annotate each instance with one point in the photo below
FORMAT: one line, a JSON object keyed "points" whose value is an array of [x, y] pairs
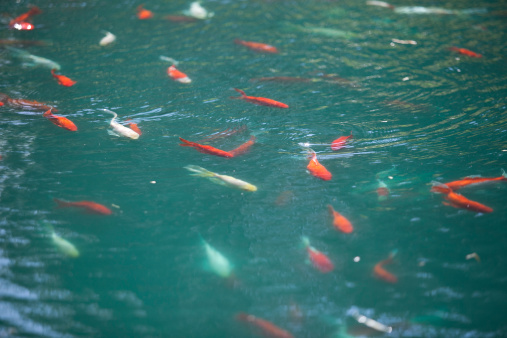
{"points": [[186, 143], [111, 112], [240, 91], [34, 10], [330, 208], [60, 203], [53, 71], [199, 171], [504, 174], [48, 113], [168, 59], [351, 134], [441, 188], [306, 241], [393, 253]]}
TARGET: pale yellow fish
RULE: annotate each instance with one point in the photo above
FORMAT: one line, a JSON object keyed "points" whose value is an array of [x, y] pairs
{"points": [[64, 246], [226, 180], [106, 40]]}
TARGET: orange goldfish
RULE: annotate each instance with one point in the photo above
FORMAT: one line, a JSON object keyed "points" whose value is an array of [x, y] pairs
{"points": [[176, 75], [319, 260], [339, 221], [88, 206], [20, 23], [60, 121], [143, 14], [62, 79], [135, 128], [383, 274], [317, 169], [467, 181], [460, 201], [466, 52], [267, 329], [205, 149], [340, 142], [22, 103], [257, 46], [261, 101], [244, 147]]}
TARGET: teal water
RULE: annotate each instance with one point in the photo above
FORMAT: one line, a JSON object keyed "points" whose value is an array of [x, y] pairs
{"points": [[418, 113]]}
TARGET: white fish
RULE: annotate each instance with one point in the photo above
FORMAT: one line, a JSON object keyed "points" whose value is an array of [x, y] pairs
{"points": [[119, 129], [64, 246], [168, 59], [197, 11], [226, 180], [106, 40], [373, 324], [30, 60], [218, 263], [380, 4]]}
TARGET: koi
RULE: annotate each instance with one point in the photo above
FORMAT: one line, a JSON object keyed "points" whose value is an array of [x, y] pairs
{"points": [[27, 104], [370, 323], [262, 101], [340, 142], [177, 75], [88, 206], [380, 4], [266, 328], [257, 46], [62, 79], [339, 221], [19, 22], [225, 180], [143, 14], [135, 128], [317, 169], [106, 40], [60, 121], [63, 245], [205, 149], [470, 180], [218, 263], [244, 147], [319, 260], [30, 60], [197, 11], [380, 272], [459, 201], [382, 191], [119, 129], [466, 52]]}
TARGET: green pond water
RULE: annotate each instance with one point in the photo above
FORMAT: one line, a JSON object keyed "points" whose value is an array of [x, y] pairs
{"points": [[418, 113]]}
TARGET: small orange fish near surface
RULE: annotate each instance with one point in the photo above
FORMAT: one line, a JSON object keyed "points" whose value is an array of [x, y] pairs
{"points": [[20, 23], [88, 206], [62, 79], [265, 328], [60, 121], [244, 147], [261, 101], [469, 181], [205, 149], [466, 52], [257, 46], [143, 14], [317, 169], [340, 222], [319, 260], [460, 201], [382, 273], [176, 75], [340, 142]]}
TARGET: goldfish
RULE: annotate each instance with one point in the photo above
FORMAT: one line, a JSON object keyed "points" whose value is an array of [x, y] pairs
{"points": [[382, 191], [62, 79], [135, 128], [340, 142], [205, 149], [108, 39], [380, 4], [225, 180], [265, 328], [466, 52], [30, 60], [88, 206], [22, 103], [198, 12], [320, 261], [177, 75], [261, 101], [380, 272], [469, 181], [120, 130], [460, 201], [257, 46], [143, 14], [19, 23], [339, 221], [317, 169], [218, 263], [60, 121], [244, 147]]}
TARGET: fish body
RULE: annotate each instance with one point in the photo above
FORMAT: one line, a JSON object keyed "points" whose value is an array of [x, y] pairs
{"points": [[383, 274], [205, 149], [198, 12], [460, 201], [423, 10], [340, 222], [64, 246], [108, 39], [177, 75], [20, 23], [62, 79], [380, 4], [88, 206], [225, 180], [466, 52], [257, 46], [340, 142], [218, 263], [135, 128], [143, 14], [120, 129], [317, 169], [244, 147], [28, 104], [266, 328], [468, 181], [382, 191], [60, 121], [261, 101], [319, 260], [33, 60]]}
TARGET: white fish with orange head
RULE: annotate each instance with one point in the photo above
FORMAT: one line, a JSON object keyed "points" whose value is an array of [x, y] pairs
{"points": [[120, 130]]}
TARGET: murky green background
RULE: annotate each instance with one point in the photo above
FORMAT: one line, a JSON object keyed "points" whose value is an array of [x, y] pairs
{"points": [[421, 110]]}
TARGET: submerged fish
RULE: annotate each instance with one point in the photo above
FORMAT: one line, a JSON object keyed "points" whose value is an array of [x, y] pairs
{"points": [[218, 263], [466, 52], [340, 142], [60, 121], [108, 39], [63, 245], [460, 201], [265, 328], [315, 168], [225, 180], [205, 149], [197, 11], [62, 79], [470, 181], [257, 46], [143, 14], [319, 260], [339, 221], [437, 10], [30, 60], [381, 273], [324, 31], [19, 22], [120, 130], [88, 206], [26, 104], [261, 101]]}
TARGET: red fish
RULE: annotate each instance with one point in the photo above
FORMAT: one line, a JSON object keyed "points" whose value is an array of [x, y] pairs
{"points": [[135, 128], [143, 14], [176, 75], [261, 101], [320, 261], [62, 79], [382, 191], [339, 221], [267, 329], [22, 103], [88, 206], [317, 169], [257, 46], [455, 185], [466, 52], [460, 201], [20, 23], [340, 142], [383, 274], [244, 147], [60, 121], [205, 149]]}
